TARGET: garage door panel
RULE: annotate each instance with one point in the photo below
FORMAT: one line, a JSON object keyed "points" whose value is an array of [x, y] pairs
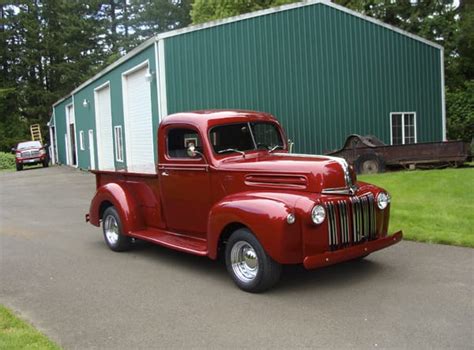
{"points": [[138, 120], [105, 143]]}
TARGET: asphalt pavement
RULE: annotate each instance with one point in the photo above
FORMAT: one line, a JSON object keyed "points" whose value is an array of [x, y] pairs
{"points": [[56, 272]]}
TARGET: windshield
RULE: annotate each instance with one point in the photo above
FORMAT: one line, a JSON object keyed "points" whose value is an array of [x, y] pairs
{"points": [[245, 137], [29, 144]]}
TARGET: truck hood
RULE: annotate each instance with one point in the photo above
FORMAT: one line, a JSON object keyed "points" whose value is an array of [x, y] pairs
{"points": [[306, 172]]}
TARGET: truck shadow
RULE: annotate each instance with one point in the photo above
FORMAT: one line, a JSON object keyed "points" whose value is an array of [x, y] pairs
{"points": [[293, 278]]}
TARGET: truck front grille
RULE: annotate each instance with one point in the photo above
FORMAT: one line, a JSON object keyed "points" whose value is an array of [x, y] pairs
{"points": [[30, 154], [351, 221]]}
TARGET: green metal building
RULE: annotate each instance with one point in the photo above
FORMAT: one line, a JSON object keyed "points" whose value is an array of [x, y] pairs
{"points": [[324, 71]]}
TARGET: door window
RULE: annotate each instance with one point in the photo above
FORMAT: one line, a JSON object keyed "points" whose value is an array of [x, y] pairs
{"points": [[180, 139]]}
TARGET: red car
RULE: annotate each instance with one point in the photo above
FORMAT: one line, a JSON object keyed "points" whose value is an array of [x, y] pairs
{"points": [[226, 185], [30, 153]]}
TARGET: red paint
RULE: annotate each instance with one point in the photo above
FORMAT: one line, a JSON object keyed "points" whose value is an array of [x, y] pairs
{"points": [[189, 203]]}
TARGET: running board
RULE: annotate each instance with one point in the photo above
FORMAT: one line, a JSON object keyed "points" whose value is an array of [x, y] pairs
{"points": [[172, 240]]}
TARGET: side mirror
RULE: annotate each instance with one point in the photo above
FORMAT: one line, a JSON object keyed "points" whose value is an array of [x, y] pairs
{"points": [[290, 146], [191, 150]]}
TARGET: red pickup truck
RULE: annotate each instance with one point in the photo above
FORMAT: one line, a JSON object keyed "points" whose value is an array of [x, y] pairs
{"points": [[226, 185]]}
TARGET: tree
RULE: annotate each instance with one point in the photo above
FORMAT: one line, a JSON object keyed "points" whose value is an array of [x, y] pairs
{"points": [[208, 10]]}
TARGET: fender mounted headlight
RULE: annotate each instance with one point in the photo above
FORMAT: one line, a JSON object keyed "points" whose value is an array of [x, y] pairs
{"points": [[383, 199], [318, 214]]}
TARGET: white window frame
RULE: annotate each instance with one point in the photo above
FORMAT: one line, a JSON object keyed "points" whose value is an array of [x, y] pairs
{"points": [[118, 145], [81, 140], [403, 126]]}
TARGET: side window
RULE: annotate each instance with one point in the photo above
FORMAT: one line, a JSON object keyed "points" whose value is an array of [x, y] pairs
{"points": [[179, 140]]}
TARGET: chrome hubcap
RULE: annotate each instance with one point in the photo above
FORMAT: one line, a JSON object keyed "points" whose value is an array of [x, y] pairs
{"points": [[111, 229], [244, 261]]}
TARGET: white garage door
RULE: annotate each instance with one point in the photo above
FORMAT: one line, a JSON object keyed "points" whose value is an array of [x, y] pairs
{"points": [[105, 145], [137, 120]]}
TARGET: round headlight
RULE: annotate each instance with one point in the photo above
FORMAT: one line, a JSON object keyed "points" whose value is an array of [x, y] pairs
{"points": [[382, 200], [318, 214], [291, 219]]}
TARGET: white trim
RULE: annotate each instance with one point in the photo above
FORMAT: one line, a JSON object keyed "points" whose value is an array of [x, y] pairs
{"points": [[51, 145], [90, 134], [163, 107], [443, 98], [126, 122], [118, 147], [81, 140], [66, 148], [229, 20], [158, 104], [71, 119], [139, 66], [403, 126]]}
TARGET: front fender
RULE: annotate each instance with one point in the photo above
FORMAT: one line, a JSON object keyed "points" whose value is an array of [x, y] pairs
{"points": [[265, 217], [123, 201]]}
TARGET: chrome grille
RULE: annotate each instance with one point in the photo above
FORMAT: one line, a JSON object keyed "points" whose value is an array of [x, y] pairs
{"points": [[351, 221], [30, 154]]}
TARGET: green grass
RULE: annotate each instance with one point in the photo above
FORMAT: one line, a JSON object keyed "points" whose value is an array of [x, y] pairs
{"points": [[431, 205], [17, 334], [7, 161]]}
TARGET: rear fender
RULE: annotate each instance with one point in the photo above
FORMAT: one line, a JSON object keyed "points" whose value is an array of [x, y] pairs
{"points": [[265, 217], [123, 201]]}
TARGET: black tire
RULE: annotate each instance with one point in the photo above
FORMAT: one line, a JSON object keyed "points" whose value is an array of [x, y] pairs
{"points": [[45, 163], [369, 163], [267, 271], [19, 167], [112, 229]]}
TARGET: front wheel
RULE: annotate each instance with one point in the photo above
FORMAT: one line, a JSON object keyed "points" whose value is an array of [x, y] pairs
{"points": [[113, 235], [19, 167], [45, 163], [251, 268]]}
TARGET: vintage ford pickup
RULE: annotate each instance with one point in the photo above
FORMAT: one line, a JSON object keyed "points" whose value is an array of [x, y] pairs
{"points": [[226, 185]]}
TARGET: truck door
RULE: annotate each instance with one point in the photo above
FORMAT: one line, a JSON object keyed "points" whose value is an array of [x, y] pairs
{"points": [[184, 184]]}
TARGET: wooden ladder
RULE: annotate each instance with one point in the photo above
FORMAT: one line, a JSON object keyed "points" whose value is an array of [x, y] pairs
{"points": [[35, 132]]}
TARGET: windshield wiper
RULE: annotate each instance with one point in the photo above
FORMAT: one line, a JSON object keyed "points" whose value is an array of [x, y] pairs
{"points": [[274, 148], [232, 150]]}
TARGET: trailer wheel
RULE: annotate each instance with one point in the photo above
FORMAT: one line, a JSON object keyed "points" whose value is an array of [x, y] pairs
{"points": [[112, 228], [251, 268], [369, 164]]}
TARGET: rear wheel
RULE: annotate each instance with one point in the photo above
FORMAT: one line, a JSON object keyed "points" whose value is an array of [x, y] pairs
{"points": [[113, 234], [45, 163], [251, 268]]}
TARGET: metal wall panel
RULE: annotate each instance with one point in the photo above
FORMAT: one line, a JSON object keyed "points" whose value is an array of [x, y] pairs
{"points": [[322, 72]]}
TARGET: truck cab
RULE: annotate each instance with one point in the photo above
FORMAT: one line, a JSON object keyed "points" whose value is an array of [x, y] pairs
{"points": [[226, 185]]}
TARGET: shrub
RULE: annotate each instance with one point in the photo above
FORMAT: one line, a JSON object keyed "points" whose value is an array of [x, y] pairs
{"points": [[7, 161]]}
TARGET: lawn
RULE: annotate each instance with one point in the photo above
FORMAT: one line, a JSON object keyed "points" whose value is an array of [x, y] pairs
{"points": [[431, 205], [17, 334]]}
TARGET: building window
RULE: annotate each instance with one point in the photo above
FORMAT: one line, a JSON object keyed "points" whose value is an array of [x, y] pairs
{"points": [[403, 126], [81, 140], [118, 143]]}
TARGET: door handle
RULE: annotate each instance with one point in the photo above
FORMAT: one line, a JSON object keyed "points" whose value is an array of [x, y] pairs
{"points": [[165, 173]]}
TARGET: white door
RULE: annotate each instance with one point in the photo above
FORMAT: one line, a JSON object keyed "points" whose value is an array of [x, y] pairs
{"points": [[105, 142], [91, 150], [138, 120]]}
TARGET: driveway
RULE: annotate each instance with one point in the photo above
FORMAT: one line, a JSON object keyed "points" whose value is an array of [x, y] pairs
{"points": [[56, 271]]}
